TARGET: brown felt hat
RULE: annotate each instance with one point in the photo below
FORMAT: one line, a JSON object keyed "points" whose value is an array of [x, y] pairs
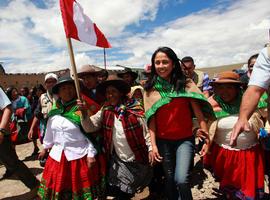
{"points": [[88, 69], [226, 77], [114, 80], [127, 70]]}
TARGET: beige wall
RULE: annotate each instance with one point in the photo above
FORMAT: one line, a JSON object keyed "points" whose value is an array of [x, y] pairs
{"points": [[29, 80]]}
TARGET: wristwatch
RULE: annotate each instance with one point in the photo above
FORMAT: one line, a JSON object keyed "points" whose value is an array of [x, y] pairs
{"points": [[3, 131]]}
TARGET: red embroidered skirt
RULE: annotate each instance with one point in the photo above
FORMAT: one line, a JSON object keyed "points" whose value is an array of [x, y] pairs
{"points": [[72, 179], [239, 172]]}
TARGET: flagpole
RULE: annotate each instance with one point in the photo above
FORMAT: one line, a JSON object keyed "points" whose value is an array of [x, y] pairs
{"points": [[74, 70], [104, 53]]}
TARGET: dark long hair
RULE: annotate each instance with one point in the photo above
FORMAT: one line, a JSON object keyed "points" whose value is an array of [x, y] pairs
{"points": [[255, 56], [9, 92], [177, 79], [40, 87]]}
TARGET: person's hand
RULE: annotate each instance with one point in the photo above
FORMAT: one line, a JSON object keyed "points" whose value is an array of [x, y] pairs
{"points": [[156, 156], [42, 154], [81, 105], [90, 161], [30, 134], [151, 157], [241, 125], [205, 149], [202, 135]]}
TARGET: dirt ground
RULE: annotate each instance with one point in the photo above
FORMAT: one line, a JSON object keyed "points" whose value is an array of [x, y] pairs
{"points": [[203, 184]]}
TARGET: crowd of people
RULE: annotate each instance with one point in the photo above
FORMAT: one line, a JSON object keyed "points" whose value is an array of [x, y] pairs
{"points": [[122, 135]]}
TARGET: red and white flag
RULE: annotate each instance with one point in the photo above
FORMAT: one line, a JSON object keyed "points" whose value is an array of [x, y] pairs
{"points": [[79, 26]]}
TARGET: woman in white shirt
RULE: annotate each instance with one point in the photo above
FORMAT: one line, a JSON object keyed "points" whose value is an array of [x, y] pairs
{"points": [[70, 171]]}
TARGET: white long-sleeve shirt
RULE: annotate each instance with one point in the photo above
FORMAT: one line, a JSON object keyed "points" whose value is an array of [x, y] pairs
{"points": [[63, 135]]}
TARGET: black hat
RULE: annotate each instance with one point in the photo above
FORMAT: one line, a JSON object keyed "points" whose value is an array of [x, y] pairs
{"points": [[61, 81], [127, 70], [115, 81]]}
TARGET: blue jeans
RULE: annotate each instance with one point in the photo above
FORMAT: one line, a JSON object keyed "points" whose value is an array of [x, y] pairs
{"points": [[177, 164]]}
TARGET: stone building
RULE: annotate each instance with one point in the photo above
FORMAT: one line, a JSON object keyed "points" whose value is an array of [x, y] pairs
{"points": [[19, 80]]}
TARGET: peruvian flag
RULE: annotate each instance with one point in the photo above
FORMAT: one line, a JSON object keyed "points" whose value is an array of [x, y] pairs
{"points": [[79, 26]]}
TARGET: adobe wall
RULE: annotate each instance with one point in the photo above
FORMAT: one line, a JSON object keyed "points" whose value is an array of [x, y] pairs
{"points": [[20, 80]]}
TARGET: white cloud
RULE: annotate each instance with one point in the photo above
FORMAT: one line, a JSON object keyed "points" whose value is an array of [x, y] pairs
{"points": [[213, 37], [113, 16], [32, 39]]}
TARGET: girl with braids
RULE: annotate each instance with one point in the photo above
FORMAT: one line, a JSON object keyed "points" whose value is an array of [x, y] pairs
{"points": [[170, 101]]}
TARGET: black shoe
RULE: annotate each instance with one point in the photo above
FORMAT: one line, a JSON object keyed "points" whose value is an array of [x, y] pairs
{"points": [[35, 152], [42, 162], [7, 174]]}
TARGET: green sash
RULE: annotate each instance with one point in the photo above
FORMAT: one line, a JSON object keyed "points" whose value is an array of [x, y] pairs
{"points": [[232, 109], [167, 93], [70, 111], [59, 108]]}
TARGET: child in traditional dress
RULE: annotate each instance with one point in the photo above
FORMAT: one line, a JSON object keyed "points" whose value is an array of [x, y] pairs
{"points": [[126, 138], [69, 172]]}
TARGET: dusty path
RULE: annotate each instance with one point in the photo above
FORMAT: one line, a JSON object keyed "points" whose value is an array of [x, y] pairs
{"points": [[204, 185]]}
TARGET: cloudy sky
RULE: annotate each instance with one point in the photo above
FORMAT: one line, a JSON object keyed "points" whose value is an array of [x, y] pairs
{"points": [[213, 32]]}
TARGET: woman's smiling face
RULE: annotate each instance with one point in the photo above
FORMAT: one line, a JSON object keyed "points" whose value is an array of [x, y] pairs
{"points": [[227, 92], [113, 95], [67, 92], [163, 65]]}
